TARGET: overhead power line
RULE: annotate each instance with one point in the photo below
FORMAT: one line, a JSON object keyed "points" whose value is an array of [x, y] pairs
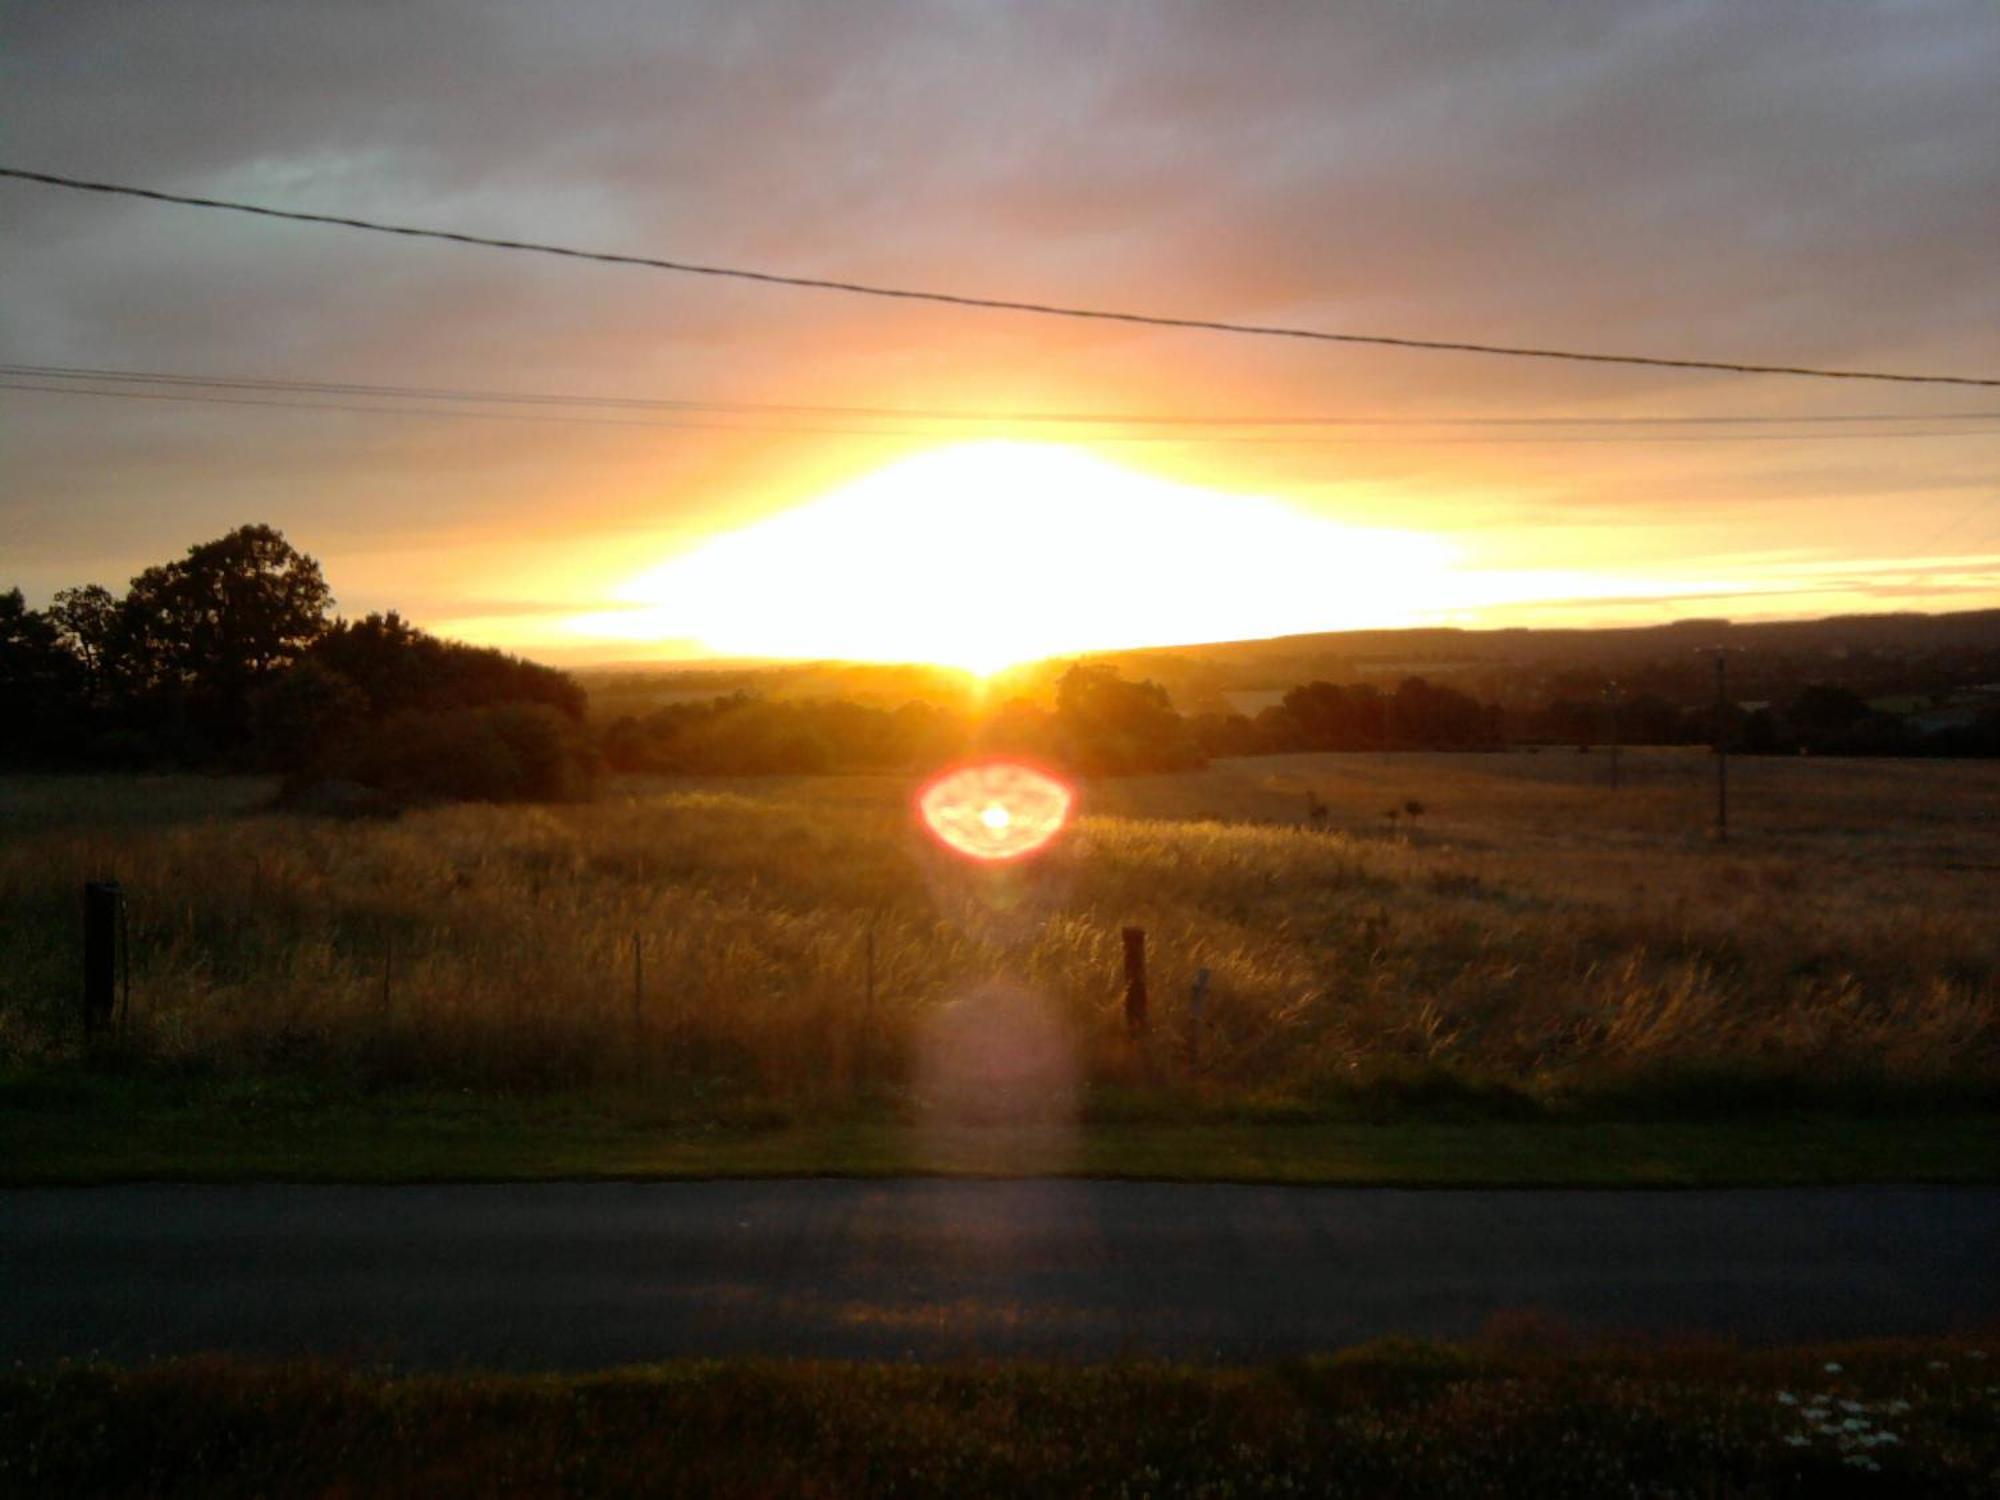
{"points": [[259, 383], [953, 299], [281, 400]]}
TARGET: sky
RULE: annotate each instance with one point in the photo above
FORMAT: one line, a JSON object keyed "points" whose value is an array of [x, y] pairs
{"points": [[1801, 183]]}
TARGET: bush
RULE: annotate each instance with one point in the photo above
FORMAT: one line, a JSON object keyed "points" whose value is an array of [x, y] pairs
{"points": [[516, 752]]}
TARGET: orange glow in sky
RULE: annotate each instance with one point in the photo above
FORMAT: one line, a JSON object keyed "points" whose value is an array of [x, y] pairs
{"points": [[595, 466], [996, 811], [983, 555], [987, 554]]}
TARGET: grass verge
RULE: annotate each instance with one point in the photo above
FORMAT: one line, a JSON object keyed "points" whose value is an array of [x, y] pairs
{"points": [[1385, 1420], [79, 1128]]}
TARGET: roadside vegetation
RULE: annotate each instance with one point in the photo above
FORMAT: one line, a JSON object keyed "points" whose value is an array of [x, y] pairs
{"points": [[1513, 1415]]}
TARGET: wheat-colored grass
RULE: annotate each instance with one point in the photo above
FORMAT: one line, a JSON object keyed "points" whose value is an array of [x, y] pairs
{"points": [[1528, 931]]}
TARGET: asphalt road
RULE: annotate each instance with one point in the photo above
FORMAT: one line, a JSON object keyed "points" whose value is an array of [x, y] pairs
{"points": [[568, 1275]]}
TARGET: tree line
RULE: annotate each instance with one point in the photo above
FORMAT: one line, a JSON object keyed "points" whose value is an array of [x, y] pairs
{"points": [[231, 657]]}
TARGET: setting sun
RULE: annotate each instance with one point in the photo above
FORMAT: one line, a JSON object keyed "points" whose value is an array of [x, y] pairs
{"points": [[987, 554]]}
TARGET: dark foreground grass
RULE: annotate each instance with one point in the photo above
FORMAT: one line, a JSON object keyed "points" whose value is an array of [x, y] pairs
{"points": [[1903, 1419], [84, 1127]]}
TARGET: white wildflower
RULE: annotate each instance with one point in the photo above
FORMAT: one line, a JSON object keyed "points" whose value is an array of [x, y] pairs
{"points": [[1786, 1398], [1832, 1369], [1852, 1406], [1938, 1364], [1799, 1440]]}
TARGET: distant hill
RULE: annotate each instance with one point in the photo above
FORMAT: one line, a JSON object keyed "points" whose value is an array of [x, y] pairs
{"points": [[1883, 653], [1903, 653]]}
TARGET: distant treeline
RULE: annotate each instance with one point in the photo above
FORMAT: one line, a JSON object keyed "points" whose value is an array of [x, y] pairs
{"points": [[1103, 724], [1098, 723], [231, 657]]}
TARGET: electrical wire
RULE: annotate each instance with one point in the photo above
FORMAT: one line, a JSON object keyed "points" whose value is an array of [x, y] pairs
{"points": [[202, 397], [904, 413], [1000, 304]]}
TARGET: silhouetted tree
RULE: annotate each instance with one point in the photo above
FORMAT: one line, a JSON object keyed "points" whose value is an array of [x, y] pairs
{"points": [[1222, 734], [1822, 711], [510, 752], [40, 683], [205, 632], [1426, 715], [89, 620], [399, 668], [1324, 716], [1107, 724], [304, 714]]}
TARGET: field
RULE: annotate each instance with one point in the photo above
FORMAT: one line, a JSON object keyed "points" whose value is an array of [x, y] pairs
{"points": [[1514, 1415], [1464, 938]]}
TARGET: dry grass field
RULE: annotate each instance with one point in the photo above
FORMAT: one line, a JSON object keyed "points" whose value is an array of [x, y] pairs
{"points": [[1530, 940]]}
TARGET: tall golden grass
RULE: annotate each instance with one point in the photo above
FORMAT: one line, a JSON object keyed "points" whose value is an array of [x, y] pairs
{"points": [[1529, 936]]}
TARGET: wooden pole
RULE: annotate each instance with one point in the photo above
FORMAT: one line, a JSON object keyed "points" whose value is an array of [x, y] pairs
{"points": [[124, 966], [1135, 980], [1721, 751], [101, 900], [1612, 699]]}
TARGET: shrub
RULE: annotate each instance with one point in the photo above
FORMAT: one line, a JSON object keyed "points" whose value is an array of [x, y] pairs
{"points": [[515, 752]]}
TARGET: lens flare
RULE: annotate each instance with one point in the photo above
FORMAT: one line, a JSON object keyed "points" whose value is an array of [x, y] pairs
{"points": [[995, 811]]}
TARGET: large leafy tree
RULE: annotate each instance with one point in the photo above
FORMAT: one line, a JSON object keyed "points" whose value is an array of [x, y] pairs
{"points": [[89, 621], [210, 628]]}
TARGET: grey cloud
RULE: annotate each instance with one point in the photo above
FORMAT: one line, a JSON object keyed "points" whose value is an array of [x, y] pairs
{"points": [[1791, 179]]}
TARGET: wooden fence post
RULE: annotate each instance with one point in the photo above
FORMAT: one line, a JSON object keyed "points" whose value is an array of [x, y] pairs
{"points": [[1135, 980], [124, 966], [101, 902]]}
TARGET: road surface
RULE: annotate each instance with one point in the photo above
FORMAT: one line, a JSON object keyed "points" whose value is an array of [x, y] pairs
{"points": [[576, 1275]]}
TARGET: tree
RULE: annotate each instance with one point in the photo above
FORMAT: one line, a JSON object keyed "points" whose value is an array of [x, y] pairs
{"points": [[1821, 712], [1442, 718], [38, 681], [1106, 724], [400, 668], [303, 713], [87, 619], [1325, 716], [206, 631]]}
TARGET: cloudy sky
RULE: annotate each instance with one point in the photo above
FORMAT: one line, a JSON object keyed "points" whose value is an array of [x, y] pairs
{"points": [[1800, 183]]}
